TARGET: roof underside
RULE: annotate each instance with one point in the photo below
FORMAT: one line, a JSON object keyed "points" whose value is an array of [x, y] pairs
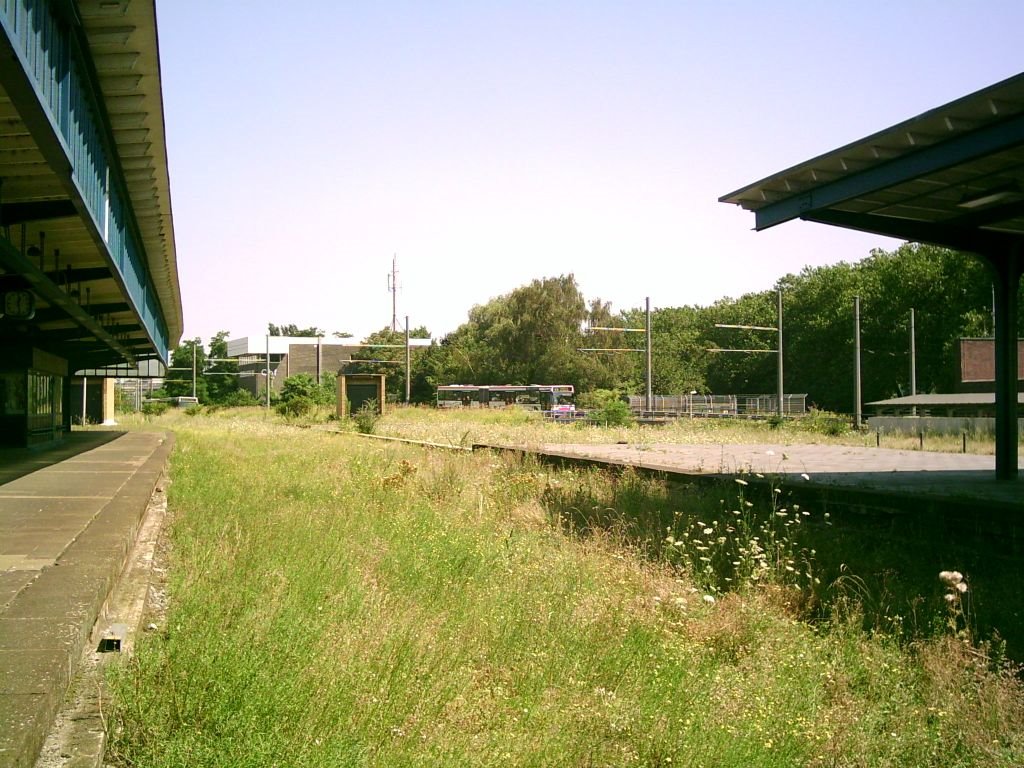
{"points": [[98, 325], [123, 41], [953, 176]]}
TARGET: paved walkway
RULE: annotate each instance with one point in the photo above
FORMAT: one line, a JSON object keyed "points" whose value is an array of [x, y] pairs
{"points": [[945, 476], [68, 518]]}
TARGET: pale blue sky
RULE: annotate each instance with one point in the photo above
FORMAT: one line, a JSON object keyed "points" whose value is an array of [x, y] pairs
{"points": [[488, 144]]}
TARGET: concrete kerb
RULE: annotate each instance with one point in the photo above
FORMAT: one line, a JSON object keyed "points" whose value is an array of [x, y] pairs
{"points": [[46, 631]]}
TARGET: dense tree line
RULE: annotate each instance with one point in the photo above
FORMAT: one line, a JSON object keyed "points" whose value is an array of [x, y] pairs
{"points": [[532, 334], [537, 334]]}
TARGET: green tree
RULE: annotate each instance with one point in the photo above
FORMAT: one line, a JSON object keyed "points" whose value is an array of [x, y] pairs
{"points": [[542, 331], [221, 374], [178, 382], [391, 353], [741, 372], [619, 371]]}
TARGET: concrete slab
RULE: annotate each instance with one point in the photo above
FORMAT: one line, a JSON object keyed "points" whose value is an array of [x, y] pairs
{"points": [[67, 522], [12, 581], [939, 476]]}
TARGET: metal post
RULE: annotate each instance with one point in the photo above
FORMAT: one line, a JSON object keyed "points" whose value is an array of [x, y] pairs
{"points": [[408, 364], [913, 362], [319, 361], [268, 372], [1007, 273], [193, 369], [84, 385], [856, 363], [650, 396], [781, 410]]}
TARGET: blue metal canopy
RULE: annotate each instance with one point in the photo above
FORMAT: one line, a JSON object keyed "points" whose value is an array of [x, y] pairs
{"points": [[85, 211], [953, 176]]}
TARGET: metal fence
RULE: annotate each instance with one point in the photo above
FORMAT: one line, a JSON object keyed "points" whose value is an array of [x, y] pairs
{"points": [[739, 406]]}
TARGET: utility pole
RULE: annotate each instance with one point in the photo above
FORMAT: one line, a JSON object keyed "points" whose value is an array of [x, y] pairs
{"points": [[393, 288], [408, 364], [856, 363], [781, 409], [650, 397], [913, 362], [193, 369]]}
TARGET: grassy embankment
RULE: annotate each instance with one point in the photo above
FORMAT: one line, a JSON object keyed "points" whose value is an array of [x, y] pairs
{"points": [[340, 602]]}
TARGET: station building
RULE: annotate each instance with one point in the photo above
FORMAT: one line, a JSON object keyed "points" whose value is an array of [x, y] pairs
{"points": [[88, 271]]}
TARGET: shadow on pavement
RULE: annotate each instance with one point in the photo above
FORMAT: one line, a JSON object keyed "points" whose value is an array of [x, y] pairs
{"points": [[18, 462]]}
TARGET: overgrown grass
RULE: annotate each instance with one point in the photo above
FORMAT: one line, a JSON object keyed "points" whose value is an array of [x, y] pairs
{"points": [[524, 428], [513, 425], [339, 602]]}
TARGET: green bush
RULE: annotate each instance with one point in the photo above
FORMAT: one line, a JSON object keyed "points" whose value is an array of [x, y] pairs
{"points": [[240, 398], [366, 417], [824, 423], [194, 410], [295, 406], [304, 385], [154, 409], [299, 385], [606, 407]]}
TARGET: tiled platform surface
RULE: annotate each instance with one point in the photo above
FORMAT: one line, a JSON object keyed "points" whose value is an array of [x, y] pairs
{"points": [[68, 518]]}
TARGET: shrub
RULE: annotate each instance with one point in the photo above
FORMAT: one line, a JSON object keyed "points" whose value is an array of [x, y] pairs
{"points": [[825, 423], [301, 385], [607, 408], [154, 409], [193, 410], [240, 398], [304, 385], [366, 417], [295, 406]]}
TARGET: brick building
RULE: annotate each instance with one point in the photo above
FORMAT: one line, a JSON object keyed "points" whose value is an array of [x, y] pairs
{"points": [[978, 366], [288, 356]]}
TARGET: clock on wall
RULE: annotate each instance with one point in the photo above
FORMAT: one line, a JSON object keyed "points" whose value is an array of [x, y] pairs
{"points": [[19, 305]]}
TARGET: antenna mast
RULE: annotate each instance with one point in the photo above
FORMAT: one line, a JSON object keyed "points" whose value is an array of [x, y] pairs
{"points": [[393, 288]]}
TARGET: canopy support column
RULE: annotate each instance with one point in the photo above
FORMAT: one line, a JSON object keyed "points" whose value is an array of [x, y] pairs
{"points": [[1006, 271]]}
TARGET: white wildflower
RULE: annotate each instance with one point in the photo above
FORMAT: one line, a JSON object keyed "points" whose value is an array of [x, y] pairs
{"points": [[950, 578]]}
